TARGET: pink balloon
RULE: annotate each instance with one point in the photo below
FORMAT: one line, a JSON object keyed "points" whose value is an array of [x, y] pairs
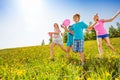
{"points": [[66, 22]]}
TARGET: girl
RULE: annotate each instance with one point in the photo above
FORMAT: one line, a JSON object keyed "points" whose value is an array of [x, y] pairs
{"points": [[101, 32], [56, 40]]}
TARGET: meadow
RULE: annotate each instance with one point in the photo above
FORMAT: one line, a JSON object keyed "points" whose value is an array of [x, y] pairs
{"points": [[32, 63]]}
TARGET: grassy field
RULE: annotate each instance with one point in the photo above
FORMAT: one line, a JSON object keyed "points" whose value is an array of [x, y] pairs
{"points": [[31, 63]]}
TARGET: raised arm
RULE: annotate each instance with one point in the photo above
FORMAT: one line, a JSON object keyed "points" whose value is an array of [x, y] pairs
{"points": [[54, 32], [71, 32], [91, 27], [111, 19]]}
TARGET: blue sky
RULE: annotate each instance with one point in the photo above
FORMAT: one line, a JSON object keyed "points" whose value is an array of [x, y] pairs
{"points": [[27, 22]]}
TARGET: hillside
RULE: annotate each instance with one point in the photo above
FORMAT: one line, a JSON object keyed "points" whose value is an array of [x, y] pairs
{"points": [[32, 63]]}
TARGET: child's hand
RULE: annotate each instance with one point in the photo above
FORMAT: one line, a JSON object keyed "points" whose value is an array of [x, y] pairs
{"points": [[62, 26], [50, 34], [118, 12]]}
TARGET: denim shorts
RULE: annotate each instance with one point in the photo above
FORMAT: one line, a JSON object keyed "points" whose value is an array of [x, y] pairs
{"points": [[103, 36], [78, 45]]}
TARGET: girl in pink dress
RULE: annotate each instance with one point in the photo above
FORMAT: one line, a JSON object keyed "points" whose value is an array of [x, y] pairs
{"points": [[101, 33]]}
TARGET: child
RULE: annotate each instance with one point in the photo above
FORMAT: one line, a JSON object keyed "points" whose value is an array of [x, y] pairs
{"points": [[78, 36], [69, 40], [56, 40], [101, 32]]}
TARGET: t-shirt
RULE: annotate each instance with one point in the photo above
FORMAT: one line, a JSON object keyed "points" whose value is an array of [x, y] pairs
{"points": [[78, 30], [99, 28], [70, 36]]}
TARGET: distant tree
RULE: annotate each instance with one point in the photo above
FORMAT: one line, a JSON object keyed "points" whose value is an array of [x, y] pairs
{"points": [[90, 35], [50, 40], [113, 32], [90, 23], [87, 35], [118, 28], [43, 43]]}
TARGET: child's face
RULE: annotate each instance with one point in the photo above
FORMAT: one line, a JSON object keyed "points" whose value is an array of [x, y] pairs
{"points": [[96, 18], [76, 19], [55, 25]]}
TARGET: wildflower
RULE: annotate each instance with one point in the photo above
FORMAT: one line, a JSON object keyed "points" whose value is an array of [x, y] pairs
{"points": [[107, 74], [20, 72], [79, 78], [116, 79], [89, 78], [65, 78], [74, 62]]}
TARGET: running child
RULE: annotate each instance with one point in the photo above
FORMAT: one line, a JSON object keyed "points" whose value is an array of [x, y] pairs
{"points": [[56, 40]]}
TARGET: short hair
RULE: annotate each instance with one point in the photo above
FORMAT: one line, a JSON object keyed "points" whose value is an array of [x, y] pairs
{"points": [[76, 15]]}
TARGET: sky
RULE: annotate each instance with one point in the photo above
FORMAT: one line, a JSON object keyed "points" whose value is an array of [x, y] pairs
{"points": [[27, 22]]}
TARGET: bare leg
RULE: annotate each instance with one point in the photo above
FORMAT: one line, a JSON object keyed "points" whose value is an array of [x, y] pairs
{"points": [[107, 40], [82, 57], [99, 42], [68, 51], [51, 49], [62, 47]]}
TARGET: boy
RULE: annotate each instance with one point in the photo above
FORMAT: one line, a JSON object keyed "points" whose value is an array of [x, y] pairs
{"points": [[78, 36]]}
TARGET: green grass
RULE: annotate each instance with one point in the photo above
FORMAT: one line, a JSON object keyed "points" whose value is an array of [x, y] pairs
{"points": [[32, 63]]}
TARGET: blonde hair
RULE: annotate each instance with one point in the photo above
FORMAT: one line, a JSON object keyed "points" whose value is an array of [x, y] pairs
{"points": [[57, 27]]}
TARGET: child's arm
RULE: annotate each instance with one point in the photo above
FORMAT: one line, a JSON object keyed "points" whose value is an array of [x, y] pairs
{"points": [[67, 29], [111, 19], [91, 27], [54, 32]]}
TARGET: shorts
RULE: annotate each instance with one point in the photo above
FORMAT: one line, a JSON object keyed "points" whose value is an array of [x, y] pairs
{"points": [[58, 41], [69, 44], [78, 45], [103, 36]]}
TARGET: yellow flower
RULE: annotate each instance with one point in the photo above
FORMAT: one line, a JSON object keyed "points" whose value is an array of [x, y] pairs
{"points": [[65, 78], [74, 62], [79, 78], [89, 78], [20, 72], [107, 74], [116, 79]]}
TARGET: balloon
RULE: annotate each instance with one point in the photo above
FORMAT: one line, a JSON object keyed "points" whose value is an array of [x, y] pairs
{"points": [[66, 22]]}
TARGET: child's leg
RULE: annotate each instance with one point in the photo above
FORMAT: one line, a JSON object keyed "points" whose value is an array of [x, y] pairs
{"points": [[62, 47], [107, 40], [82, 57], [99, 42], [68, 51], [51, 49]]}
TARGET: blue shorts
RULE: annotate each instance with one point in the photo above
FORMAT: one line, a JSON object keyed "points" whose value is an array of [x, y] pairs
{"points": [[69, 44], [103, 36], [78, 45]]}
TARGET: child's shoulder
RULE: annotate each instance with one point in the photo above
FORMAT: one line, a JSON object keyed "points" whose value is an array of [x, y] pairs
{"points": [[81, 22]]}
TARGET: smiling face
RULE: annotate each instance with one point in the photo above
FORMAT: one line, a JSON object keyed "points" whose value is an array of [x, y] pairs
{"points": [[96, 17], [76, 18]]}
